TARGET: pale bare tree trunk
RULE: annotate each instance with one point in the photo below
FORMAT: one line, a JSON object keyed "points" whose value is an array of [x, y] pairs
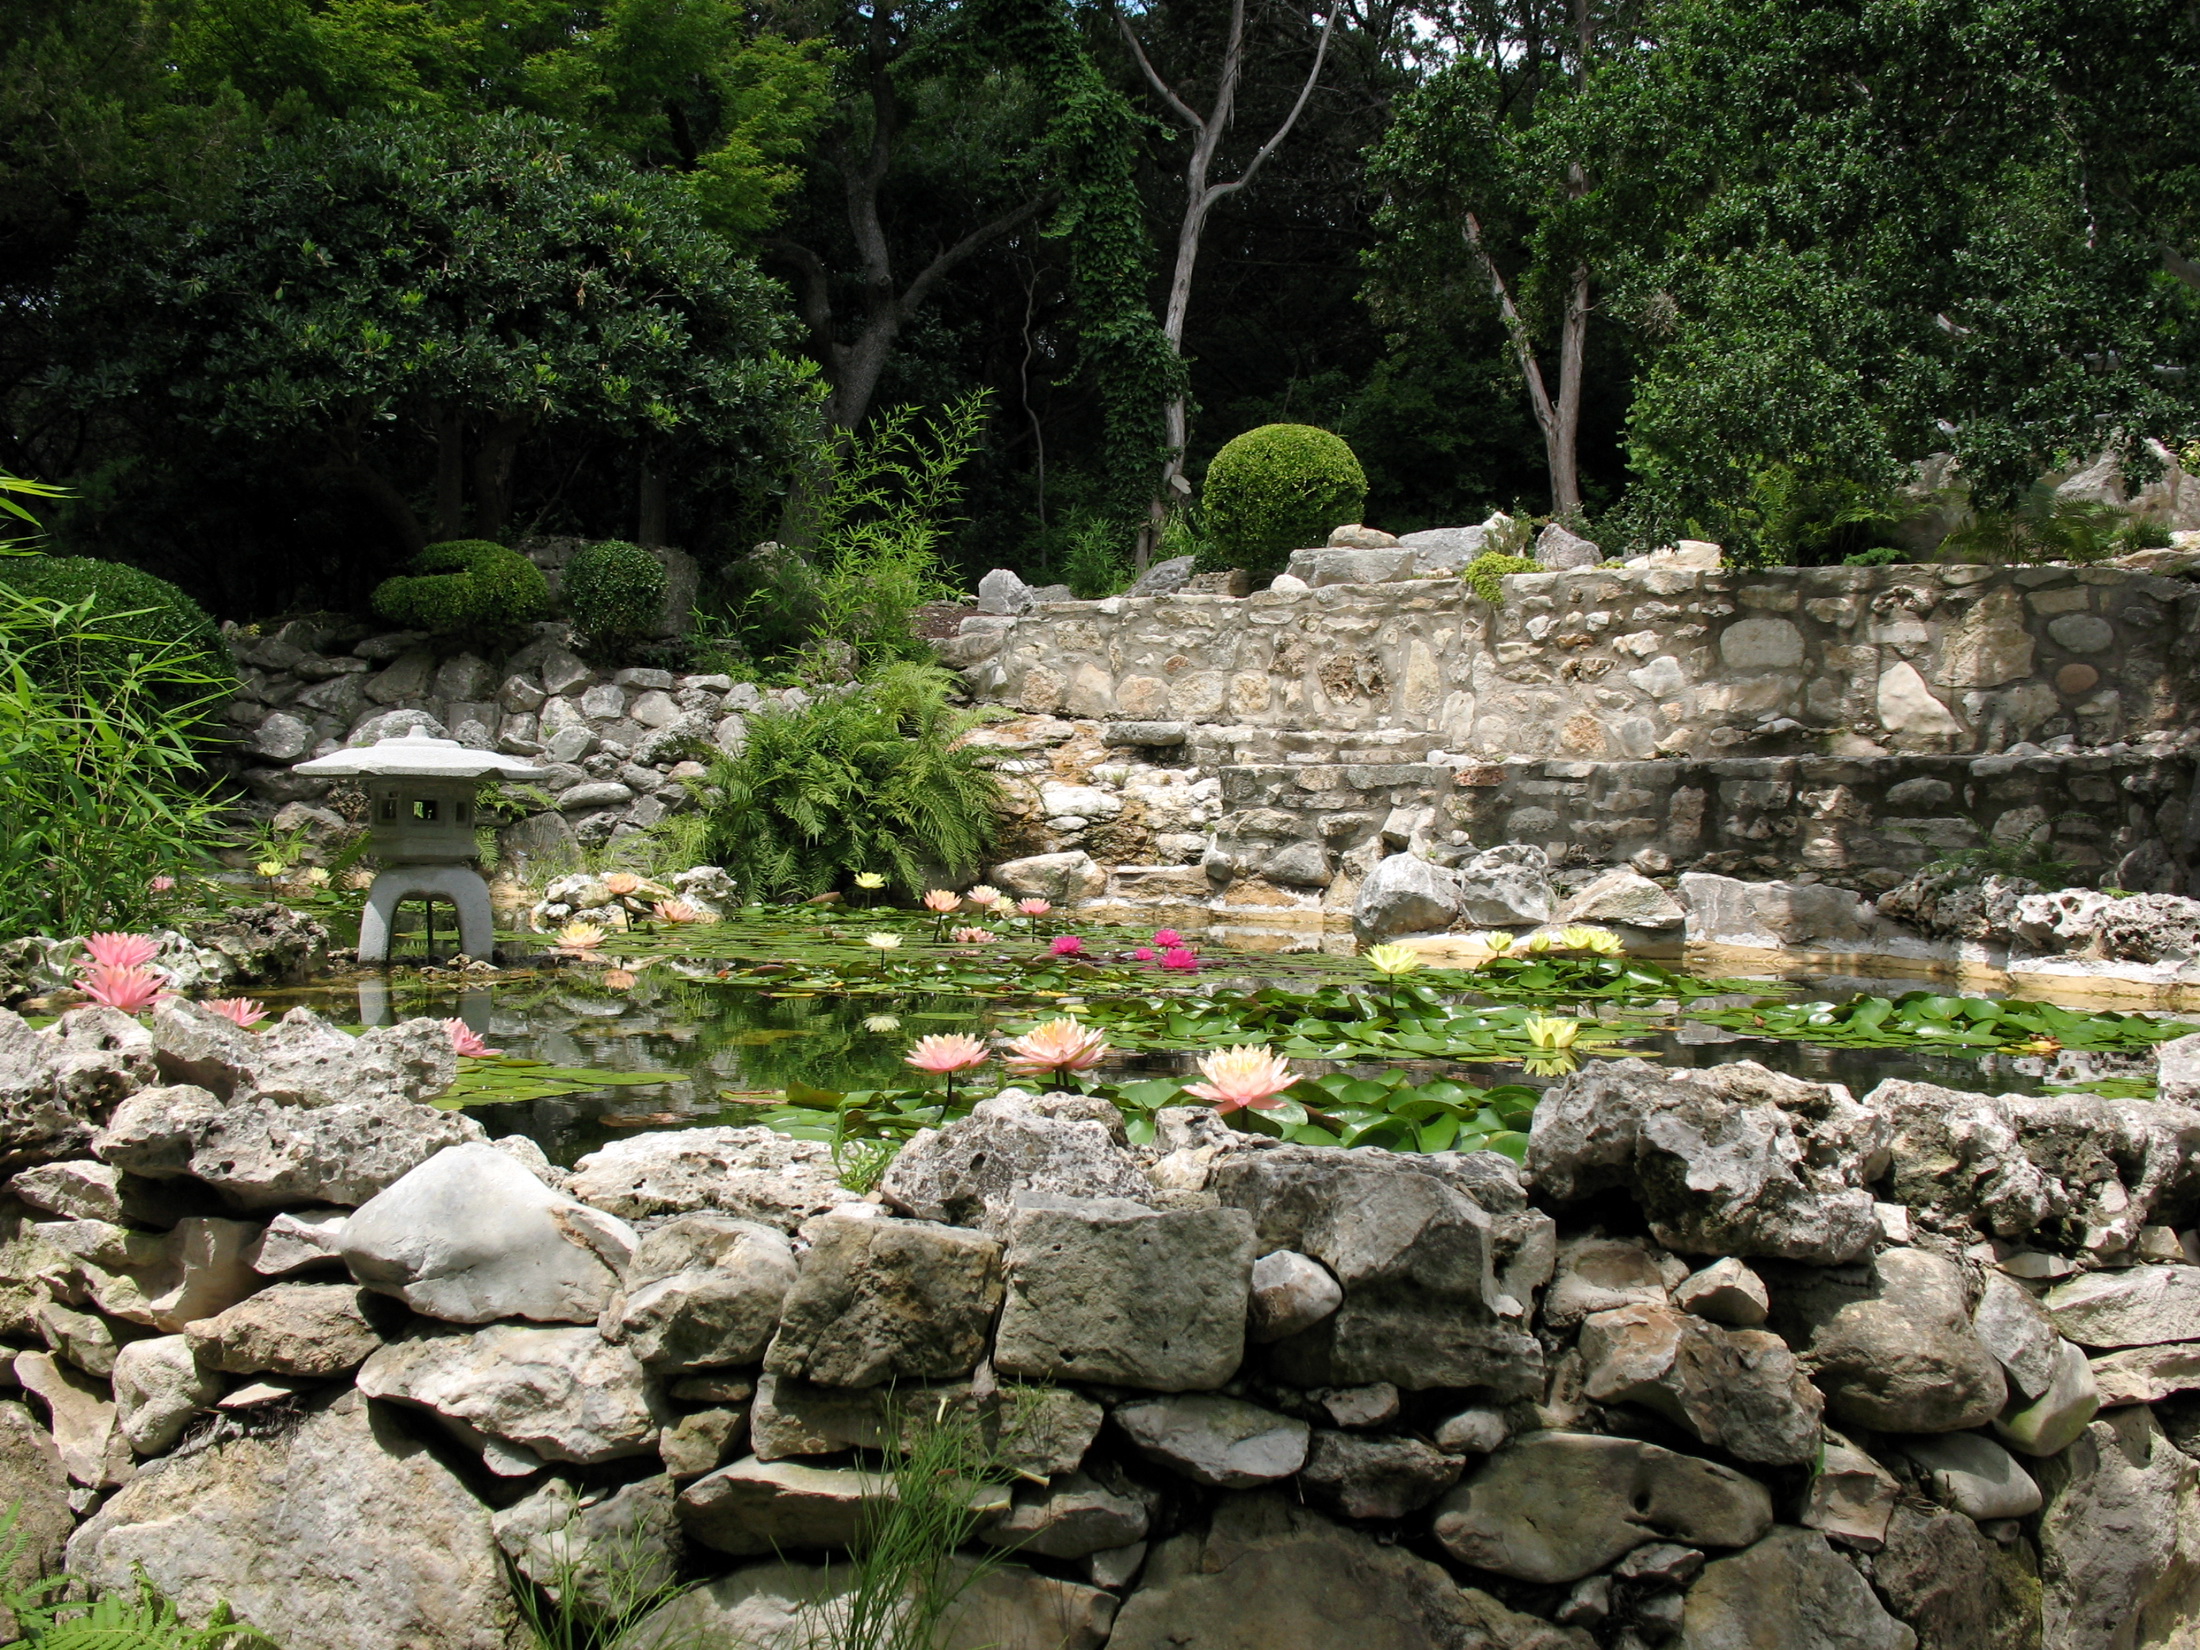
{"points": [[1200, 198], [1560, 419]]}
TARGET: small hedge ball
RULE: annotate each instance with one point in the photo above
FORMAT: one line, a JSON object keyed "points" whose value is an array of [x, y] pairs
{"points": [[614, 593], [1280, 488], [159, 612], [464, 586]]}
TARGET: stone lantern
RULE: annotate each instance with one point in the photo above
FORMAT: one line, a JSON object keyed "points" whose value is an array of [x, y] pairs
{"points": [[420, 817]]}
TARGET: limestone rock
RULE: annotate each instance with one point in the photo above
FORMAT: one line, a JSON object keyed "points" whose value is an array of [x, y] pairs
{"points": [[1267, 1574], [2011, 1325], [1376, 1477], [301, 1061], [344, 1533], [85, 1190], [1223, 1442], [1352, 564], [1013, 1608], [300, 1238], [752, 1173], [882, 1300], [1600, 1274], [2049, 1423], [201, 1267], [701, 1292], [81, 1418], [470, 1236], [56, 1085], [1730, 1159], [2177, 1069], [1290, 1293], [968, 1172], [1793, 1585], [2145, 1306], [38, 1492], [1892, 1344], [1479, 1430], [1957, 1159], [1069, 1518], [703, 1440], [159, 1385], [1102, 1289], [564, 1394], [1953, 1586], [1063, 878], [1622, 896], [1556, 1506], [1851, 1496], [1508, 885], [1001, 591], [1771, 915], [2119, 1537], [1035, 1430], [1974, 1475], [1726, 1292], [1404, 894], [602, 1546], [1740, 1390], [2145, 1374], [1556, 549], [309, 1329], [754, 1507], [1164, 578]]}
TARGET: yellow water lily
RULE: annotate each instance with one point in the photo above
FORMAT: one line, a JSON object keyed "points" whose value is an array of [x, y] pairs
{"points": [[1552, 1039], [1496, 941], [870, 880], [1392, 959], [271, 868], [879, 1024], [1540, 941], [1598, 942]]}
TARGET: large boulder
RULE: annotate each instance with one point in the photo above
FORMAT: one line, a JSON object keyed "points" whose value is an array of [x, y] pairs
{"points": [[2143, 1306], [1556, 1506], [1740, 1390], [2119, 1537], [1505, 886], [1065, 878], [1266, 1574], [471, 1236], [1071, 1517], [970, 1171], [1891, 1342], [1731, 1159], [159, 1386], [343, 1533], [1772, 916], [883, 1300], [1795, 1587], [755, 1507], [1956, 1588], [752, 1173], [313, 1330], [1622, 896], [1103, 1289], [701, 1292], [302, 1061], [1437, 1257], [1404, 894], [1225, 1443]]}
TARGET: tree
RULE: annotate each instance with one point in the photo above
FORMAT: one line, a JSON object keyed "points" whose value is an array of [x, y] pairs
{"points": [[1202, 195], [397, 305]]}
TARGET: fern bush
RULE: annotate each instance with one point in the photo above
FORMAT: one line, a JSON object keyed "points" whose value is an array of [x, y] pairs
{"points": [[867, 781], [464, 587], [140, 1619], [614, 593], [1280, 488]]}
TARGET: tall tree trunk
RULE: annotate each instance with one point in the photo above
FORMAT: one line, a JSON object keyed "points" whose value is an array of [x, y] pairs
{"points": [[650, 504], [1560, 419], [450, 474], [497, 447]]}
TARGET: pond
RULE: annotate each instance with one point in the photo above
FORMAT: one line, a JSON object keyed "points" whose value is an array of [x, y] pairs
{"points": [[801, 1017]]}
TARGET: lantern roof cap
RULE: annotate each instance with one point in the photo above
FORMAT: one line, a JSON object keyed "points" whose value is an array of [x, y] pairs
{"points": [[417, 755]]}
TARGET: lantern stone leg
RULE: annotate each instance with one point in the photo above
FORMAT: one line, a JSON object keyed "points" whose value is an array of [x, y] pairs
{"points": [[461, 885]]}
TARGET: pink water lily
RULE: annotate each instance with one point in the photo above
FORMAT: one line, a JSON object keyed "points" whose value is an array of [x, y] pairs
{"points": [[241, 1010], [1251, 1075], [121, 950], [1058, 1047], [1067, 945], [1180, 959], [132, 990], [1167, 938], [162, 885], [973, 936], [1034, 907], [1145, 953], [468, 1041]]}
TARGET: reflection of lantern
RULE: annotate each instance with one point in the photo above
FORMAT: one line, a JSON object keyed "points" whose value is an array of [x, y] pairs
{"points": [[420, 817]]}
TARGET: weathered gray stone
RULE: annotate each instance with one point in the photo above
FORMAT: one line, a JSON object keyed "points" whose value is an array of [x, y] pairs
{"points": [[753, 1173], [1352, 564], [1726, 1292], [1505, 886], [1375, 1405], [1740, 1390], [969, 1172], [1791, 1584], [1557, 550], [310, 1329], [1953, 1586], [2145, 1306], [564, 1394], [1102, 1289], [1600, 1274], [85, 1190], [1622, 896], [159, 1385], [470, 1236], [1376, 1477], [1771, 915], [1063, 878], [2119, 1537], [343, 1533], [1267, 1574], [1730, 1159], [1974, 1475], [38, 1495], [1404, 894], [301, 1238], [1290, 1293], [1164, 578], [1069, 1518], [606, 1548], [1001, 591], [881, 1300], [755, 1507], [2050, 1422], [2011, 1325], [700, 1292], [200, 1267], [1223, 1442], [2145, 1374], [1891, 1343], [703, 1440], [1851, 1496], [1037, 1430], [81, 1418], [1476, 1431], [1556, 1506], [56, 1085]]}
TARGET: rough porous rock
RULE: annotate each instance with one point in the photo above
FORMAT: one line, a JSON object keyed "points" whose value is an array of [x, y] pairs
{"points": [[753, 1173], [2144, 1306], [1040, 1430], [59, 1084], [301, 1060], [1063, 878], [1505, 886], [344, 1533], [1437, 1255], [2143, 1374], [701, 1292], [1740, 1390], [81, 1417], [563, 1394], [1376, 1477], [1953, 1586], [968, 1172], [881, 1300], [1791, 1584], [1600, 1274], [1622, 896], [310, 1329], [1266, 1574], [1556, 1506], [1851, 1496], [470, 1236], [1103, 1289], [1222, 1442], [1290, 1293], [2119, 1537], [2012, 1326], [84, 1190], [1730, 1159], [159, 1385], [1404, 894], [1891, 1342], [601, 1546], [1070, 1517], [1958, 904], [38, 1492]]}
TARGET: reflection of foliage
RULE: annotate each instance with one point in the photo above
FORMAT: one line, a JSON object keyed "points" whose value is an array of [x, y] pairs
{"points": [[1922, 1019]]}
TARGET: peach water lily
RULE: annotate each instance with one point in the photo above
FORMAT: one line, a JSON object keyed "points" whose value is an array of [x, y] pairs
{"points": [[676, 912], [121, 950], [984, 896], [1251, 1075], [1057, 1048], [243, 1011], [580, 938], [468, 1041], [973, 936], [132, 990], [945, 1053], [940, 901]]}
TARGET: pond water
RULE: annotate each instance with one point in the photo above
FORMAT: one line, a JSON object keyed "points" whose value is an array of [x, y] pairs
{"points": [[719, 1025]]}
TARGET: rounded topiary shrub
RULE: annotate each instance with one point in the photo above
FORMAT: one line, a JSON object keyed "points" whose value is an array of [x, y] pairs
{"points": [[464, 586], [615, 594], [1280, 488], [158, 611]]}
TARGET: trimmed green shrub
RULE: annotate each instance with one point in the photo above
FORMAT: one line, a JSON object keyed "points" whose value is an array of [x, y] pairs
{"points": [[160, 614], [1280, 488], [1485, 570], [614, 593], [464, 586]]}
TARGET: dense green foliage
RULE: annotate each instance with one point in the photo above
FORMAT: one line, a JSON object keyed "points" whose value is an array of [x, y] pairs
{"points": [[870, 781], [1277, 489], [142, 608], [1486, 573], [614, 593], [464, 587]]}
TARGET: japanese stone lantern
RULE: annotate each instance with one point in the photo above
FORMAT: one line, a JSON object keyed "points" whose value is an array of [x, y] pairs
{"points": [[420, 816]]}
